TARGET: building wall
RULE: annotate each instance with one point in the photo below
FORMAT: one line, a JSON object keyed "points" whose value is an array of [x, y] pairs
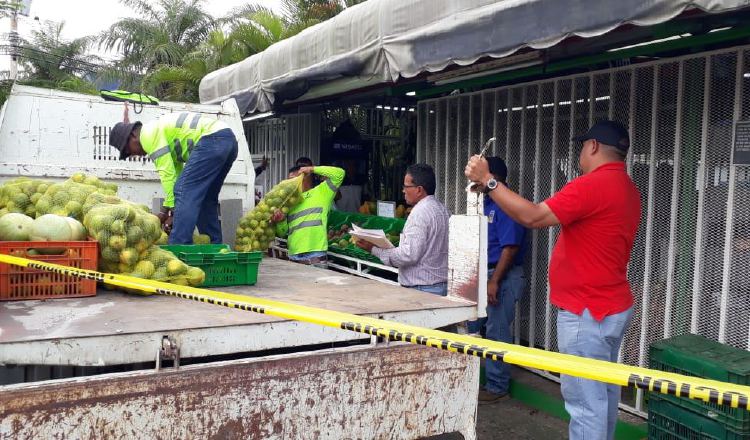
{"points": [[691, 257]]}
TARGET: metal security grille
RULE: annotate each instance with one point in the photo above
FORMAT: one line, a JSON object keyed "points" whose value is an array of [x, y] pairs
{"points": [[282, 141], [104, 152], [690, 261]]}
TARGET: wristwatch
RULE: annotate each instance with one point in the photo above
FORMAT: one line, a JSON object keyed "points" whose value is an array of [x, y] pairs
{"points": [[491, 185]]}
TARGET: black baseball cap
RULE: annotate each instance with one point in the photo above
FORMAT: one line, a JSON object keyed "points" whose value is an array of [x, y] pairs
{"points": [[497, 167], [303, 162], [609, 133], [118, 137]]}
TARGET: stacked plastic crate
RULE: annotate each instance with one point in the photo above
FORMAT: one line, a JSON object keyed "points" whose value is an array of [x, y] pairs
{"points": [[675, 418]]}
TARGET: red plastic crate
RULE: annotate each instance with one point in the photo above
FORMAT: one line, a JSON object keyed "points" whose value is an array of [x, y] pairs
{"points": [[20, 283]]}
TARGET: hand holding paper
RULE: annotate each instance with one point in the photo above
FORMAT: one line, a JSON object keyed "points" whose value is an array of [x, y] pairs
{"points": [[375, 236]]}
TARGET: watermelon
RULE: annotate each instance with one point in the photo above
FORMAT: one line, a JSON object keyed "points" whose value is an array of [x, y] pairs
{"points": [[51, 227], [79, 232], [15, 227]]}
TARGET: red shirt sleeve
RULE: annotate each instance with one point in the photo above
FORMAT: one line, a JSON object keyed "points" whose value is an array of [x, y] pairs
{"points": [[573, 202]]}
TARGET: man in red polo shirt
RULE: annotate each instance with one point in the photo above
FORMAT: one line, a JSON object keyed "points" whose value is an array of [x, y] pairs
{"points": [[599, 213]]}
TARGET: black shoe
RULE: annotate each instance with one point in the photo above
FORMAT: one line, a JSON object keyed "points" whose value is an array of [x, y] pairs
{"points": [[488, 397]]}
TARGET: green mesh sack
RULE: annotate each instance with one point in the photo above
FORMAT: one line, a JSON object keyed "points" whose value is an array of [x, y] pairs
{"points": [[21, 195], [256, 231], [160, 265], [65, 199], [124, 231], [104, 187], [127, 234]]}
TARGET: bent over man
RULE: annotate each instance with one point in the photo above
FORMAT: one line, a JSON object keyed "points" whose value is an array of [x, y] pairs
{"points": [[193, 154]]}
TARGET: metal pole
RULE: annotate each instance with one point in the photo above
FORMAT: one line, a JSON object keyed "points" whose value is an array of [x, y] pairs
{"points": [[645, 318], [725, 276], [676, 162], [698, 265], [535, 232], [14, 46]]}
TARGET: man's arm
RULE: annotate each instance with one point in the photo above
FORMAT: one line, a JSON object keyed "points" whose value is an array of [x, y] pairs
{"points": [[410, 249], [504, 264], [164, 165], [525, 212], [334, 175]]}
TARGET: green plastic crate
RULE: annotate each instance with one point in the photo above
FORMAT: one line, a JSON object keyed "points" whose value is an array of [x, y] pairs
{"points": [[694, 355], [389, 225], [668, 421], [338, 218], [227, 269]]}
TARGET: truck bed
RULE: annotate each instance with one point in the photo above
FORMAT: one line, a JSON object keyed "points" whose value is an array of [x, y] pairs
{"points": [[117, 328]]}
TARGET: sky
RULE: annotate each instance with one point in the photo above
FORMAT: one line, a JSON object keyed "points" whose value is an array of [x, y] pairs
{"points": [[88, 17]]}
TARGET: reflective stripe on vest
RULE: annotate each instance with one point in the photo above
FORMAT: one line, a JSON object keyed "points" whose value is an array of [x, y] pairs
{"points": [[331, 185], [159, 153], [304, 212], [194, 121], [305, 224], [181, 120], [178, 150]]}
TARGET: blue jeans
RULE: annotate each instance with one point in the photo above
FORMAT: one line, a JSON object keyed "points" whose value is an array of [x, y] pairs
{"points": [[592, 405], [306, 256], [497, 324], [196, 192], [438, 289]]}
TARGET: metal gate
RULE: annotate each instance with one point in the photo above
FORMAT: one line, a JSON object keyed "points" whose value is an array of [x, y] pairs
{"points": [[282, 141], [690, 261]]}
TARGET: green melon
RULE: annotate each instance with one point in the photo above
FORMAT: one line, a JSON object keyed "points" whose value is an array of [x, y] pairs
{"points": [[15, 227], [78, 231], [50, 227]]}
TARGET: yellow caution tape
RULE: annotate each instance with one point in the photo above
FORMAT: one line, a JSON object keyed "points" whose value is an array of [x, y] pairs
{"points": [[706, 390]]}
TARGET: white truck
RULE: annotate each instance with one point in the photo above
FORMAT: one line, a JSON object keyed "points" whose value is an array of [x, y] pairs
{"points": [[51, 134], [95, 367]]}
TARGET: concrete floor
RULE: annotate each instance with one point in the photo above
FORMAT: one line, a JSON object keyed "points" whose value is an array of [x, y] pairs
{"points": [[512, 419]]}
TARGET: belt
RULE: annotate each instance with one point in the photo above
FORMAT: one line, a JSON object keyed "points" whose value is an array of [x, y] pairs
{"points": [[313, 260]]}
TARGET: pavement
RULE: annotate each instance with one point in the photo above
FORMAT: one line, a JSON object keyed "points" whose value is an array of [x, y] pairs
{"points": [[511, 418]]}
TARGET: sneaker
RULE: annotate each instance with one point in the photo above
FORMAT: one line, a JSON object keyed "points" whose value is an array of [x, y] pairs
{"points": [[488, 397]]}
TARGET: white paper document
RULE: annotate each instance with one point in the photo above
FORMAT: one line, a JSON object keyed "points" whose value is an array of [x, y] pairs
{"points": [[374, 236]]}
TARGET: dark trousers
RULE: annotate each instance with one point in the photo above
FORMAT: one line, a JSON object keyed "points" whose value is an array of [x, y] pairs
{"points": [[196, 191]]}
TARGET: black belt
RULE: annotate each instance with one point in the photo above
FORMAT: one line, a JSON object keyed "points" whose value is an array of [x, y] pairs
{"points": [[313, 260]]}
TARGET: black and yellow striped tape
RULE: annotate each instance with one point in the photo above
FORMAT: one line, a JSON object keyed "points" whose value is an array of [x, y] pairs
{"points": [[624, 375]]}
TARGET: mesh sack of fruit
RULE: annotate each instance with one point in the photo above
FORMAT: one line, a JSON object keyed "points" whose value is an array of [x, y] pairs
{"points": [[21, 195], [67, 198], [104, 187], [256, 231], [127, 234], [123, 230], [161, 265]]}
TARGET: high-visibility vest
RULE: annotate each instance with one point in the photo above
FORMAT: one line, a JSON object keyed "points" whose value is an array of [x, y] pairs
{"points": [[306, 224], [169, 140]]}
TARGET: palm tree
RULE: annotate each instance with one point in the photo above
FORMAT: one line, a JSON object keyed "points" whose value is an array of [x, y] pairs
{"points": [[49, 60], [257, 28], [181, 82], [303, 11], [251, 29], [163, 34]]}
